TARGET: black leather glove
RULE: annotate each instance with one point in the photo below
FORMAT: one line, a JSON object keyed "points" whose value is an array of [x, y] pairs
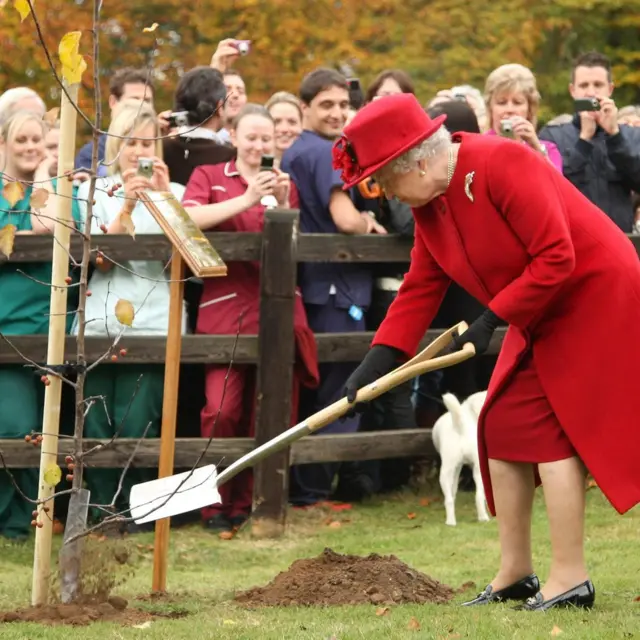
{"points": [[479, 334], [379, 361]]}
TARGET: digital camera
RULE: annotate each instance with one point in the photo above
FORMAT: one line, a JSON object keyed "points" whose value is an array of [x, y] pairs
{"points": [[178, 119], [243, 46], [145, 167]]}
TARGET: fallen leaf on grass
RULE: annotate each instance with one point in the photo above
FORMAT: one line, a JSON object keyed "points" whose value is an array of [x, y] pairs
{"points": [[466, 586], [143, 625], [226, 535], [592, 484], [411, 516], [382, 611], [413, 625], [636, 599], [340, 507], [7, 237], [425, 502], [229, 622], [556, 631], [335, 524]]}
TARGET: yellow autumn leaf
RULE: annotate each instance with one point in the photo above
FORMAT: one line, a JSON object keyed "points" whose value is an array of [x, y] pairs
{"points": [[7, 236], [52, 475], [127, 223], [73, 64], [150, 29], [39, 198], [51, 117], [124, 312], [23, 8], [13, 192]]}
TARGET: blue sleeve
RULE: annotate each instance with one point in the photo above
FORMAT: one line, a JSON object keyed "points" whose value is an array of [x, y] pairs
{"points": [[83, 159], [326, 178]]}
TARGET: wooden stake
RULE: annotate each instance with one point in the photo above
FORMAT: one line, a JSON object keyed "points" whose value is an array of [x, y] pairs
{"points": [[169, 413], [55, 346]]}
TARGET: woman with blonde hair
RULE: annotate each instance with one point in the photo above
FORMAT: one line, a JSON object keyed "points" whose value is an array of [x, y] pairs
{"points": [[133, 393], [512, 100], [286, 111]]}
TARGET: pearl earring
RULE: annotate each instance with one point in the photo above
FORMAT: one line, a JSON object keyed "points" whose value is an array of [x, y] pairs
{"points": [[423, 173]]}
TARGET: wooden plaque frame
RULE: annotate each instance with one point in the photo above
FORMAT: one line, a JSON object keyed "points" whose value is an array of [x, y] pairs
{"points": [[185, 236]]}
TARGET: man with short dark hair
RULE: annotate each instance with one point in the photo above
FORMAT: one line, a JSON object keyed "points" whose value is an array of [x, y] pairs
{"points": [[336, 295], [125, 84], [600, 157]]}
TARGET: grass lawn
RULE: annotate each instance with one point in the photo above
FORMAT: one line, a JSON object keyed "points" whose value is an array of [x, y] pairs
{"points": [[205, 571]]}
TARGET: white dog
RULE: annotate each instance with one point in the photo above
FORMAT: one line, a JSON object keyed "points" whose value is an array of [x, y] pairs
{"points": [[455, 436]]}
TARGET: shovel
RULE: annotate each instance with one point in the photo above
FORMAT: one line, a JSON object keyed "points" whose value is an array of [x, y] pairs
{"points": [[198, 488]]}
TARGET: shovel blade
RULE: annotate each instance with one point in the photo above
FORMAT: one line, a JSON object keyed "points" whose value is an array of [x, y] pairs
{"points": [[175, 494]]}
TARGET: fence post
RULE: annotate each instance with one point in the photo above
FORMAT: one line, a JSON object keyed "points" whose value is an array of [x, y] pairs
{"points": [[276, 354]]}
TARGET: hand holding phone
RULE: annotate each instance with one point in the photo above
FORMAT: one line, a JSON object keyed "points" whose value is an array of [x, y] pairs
{"points": [[267, 163]]}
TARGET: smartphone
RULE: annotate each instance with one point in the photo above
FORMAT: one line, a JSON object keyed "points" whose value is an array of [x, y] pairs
{"points": [[145, 167], [243, 46], [586, 104], [354, 84], [178, 119], [267, 163]]}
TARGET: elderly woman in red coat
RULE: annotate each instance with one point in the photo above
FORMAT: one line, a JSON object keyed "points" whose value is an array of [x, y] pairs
{"points": [[503, 223]]}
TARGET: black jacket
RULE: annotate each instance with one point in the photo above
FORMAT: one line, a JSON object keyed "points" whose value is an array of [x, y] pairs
{"points": [[606, 169]]}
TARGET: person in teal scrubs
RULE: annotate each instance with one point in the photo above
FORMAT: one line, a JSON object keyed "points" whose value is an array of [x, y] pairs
{"points": [[24, 307]]}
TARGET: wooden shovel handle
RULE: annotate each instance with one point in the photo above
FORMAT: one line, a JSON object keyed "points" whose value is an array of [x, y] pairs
{"points": [[420, 364]]}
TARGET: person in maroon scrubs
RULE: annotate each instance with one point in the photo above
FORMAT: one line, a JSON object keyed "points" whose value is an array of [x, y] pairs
{"points": [[228, 197]]}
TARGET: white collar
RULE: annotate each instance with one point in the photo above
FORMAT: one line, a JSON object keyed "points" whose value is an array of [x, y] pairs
{"points": [[201, 133]]}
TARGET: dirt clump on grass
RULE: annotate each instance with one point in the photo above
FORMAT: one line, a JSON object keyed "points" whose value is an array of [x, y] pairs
{"points": [[335, 579], [106, 564], [79, 614]]}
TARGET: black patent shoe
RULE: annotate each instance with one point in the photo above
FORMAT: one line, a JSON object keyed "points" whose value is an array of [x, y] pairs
{"points": [[583, 597], [526, 588]]}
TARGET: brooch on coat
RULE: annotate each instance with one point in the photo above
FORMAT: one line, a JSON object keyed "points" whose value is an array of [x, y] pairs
{"points": [[468, 179]]}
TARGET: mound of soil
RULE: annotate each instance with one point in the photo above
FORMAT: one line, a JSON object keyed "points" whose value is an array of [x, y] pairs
{"points": [[335, 579], [115, 609]]}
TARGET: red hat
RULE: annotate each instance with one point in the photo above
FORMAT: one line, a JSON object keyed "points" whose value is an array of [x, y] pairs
{"points": [[380, 132]]}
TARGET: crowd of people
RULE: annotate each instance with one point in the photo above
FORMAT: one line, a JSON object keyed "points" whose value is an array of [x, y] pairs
{"points": [[208, 151]]}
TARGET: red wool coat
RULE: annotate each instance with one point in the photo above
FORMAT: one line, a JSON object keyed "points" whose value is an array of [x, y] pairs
{"points": [[532, 248]]}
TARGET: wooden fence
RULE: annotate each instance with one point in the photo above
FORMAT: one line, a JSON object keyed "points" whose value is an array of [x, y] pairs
{"points": [[279, 248]]}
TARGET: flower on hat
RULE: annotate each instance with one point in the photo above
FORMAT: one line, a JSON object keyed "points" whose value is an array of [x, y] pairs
{"points": [[344, 157]]}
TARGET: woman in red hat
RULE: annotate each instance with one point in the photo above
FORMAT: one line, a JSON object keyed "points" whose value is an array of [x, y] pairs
{"points": [[502, 222]]}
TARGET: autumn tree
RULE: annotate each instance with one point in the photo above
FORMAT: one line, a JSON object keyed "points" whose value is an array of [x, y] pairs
{"points": [[439, 42]]}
